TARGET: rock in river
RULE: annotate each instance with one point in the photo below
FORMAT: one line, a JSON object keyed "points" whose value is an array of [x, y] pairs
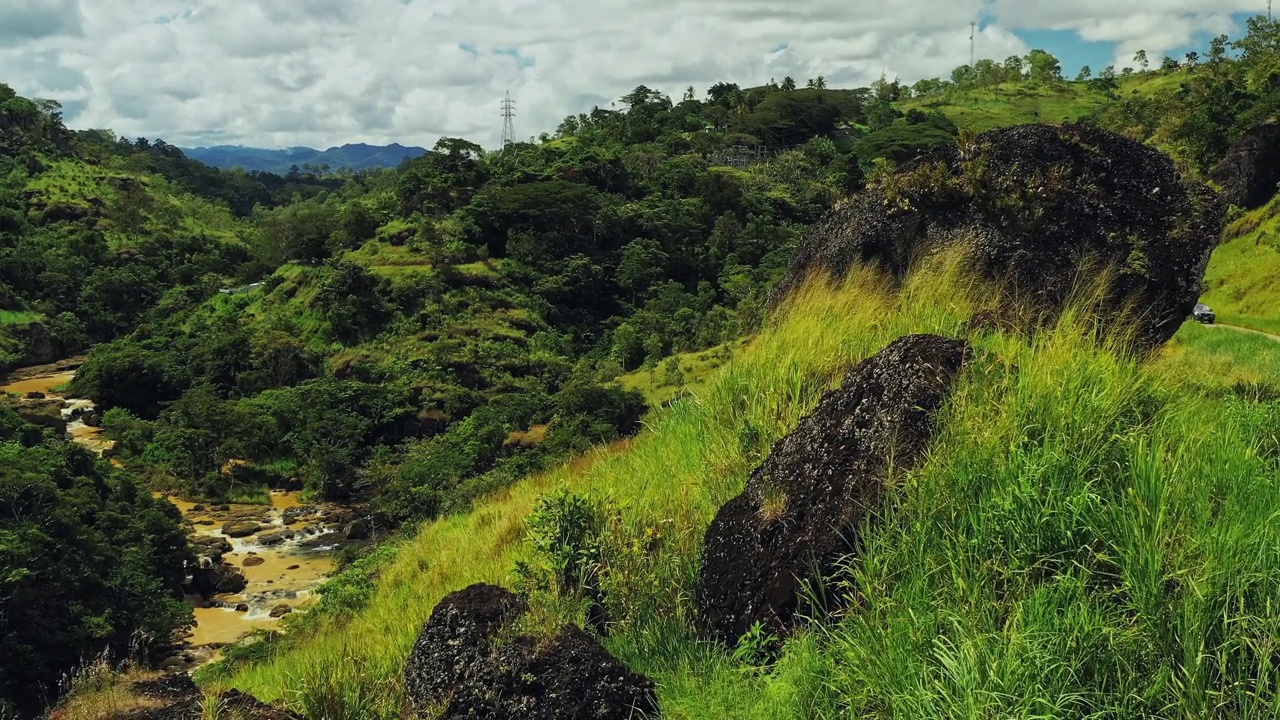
{"points": [[241, 528]]}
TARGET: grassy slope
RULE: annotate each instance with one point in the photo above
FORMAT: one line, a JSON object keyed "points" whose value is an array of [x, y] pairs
{"points": [[1090, 535], [1243, 280], [1022, 103]]}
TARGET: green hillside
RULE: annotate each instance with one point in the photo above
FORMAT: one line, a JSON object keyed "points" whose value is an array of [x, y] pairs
{"points": [[1243, 282], [548, 368], [1078, 556], [1020, 103]]}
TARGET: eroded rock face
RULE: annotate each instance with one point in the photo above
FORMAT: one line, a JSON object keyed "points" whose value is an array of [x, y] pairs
{"points": [[465, 666], [802, 508], [1250, 172], [1031, 204]]}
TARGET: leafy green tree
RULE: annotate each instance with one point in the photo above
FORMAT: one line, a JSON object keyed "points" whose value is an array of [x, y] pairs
{"points": [[788, 83], [1140, 58], [1085, 73], [1105, 83], [642, 265], [1014, 67], [1044, 67], [443, 180], [89, 564]]}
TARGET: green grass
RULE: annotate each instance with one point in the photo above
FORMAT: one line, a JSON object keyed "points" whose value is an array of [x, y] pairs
{"points": [[1243, 280], [679, 375], [389, 260], [249, 495], [1090, 537], [1022, 103], [19, 317]]}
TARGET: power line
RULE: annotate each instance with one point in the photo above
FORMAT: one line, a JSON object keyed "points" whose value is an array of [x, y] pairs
{"points": [[508, 121]]}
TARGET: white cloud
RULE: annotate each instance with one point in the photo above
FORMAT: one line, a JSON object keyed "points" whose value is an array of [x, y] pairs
{"points": [[324, 72], [25, 20]]}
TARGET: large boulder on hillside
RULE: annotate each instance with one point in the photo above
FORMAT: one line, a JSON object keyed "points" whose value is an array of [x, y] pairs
{"points": [[1250, 172], [802, 509], [469, 663], [1034, 204]]}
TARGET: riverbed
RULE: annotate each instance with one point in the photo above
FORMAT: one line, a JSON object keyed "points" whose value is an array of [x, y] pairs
{"points": [[279, 574]]}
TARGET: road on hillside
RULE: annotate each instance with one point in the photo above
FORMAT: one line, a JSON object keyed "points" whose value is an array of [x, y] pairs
{"points": [[1237, 328]]}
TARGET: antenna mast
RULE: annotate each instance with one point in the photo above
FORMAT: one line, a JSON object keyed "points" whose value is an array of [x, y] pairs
{"points": [[973, 29], [508, 121]]}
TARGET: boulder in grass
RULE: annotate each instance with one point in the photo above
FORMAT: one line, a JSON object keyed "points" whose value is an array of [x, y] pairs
{"points": [[469, 663], [1035, 206], [802, 509]]}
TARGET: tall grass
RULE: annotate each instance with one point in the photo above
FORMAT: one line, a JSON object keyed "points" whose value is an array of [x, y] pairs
{"points": [[1088, 537]]}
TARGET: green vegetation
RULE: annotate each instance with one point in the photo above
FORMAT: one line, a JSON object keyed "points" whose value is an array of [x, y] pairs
{"points": [[1090, 536], [91, 563], [1243, 282], [19, 317], [1076, 499]]}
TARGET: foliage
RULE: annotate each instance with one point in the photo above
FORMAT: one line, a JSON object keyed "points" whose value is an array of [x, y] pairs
{"points": [[1071, 485], [89, 562]]}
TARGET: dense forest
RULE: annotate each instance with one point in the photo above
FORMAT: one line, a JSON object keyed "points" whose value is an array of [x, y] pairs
{"points": [[418, 338]]}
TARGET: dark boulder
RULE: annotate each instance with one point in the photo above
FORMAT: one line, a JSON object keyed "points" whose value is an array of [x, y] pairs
{"points": [[253, 561], [222, 578], [1032, 205], [356, 530], [1250, 172], [458, 669], [281, 610], [801, 509]]}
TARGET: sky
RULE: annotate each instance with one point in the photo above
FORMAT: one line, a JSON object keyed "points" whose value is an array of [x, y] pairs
{"points": [[281, 73]]}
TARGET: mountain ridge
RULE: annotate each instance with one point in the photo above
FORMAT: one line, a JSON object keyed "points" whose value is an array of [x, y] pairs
{"points": [[353, 156]]}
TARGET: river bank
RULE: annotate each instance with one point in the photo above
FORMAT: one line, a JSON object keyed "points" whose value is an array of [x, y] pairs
{"points": [[255, 563]]}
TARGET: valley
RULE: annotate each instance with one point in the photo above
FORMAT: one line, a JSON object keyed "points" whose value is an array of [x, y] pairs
{"points": [[291, 550], [777, 400]]}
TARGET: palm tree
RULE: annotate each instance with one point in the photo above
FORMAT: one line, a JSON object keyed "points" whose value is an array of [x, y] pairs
{"points": [[788, 83]]}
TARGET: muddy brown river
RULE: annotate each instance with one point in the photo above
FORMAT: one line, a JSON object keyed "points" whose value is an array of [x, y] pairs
{"points": [[283, 573]]}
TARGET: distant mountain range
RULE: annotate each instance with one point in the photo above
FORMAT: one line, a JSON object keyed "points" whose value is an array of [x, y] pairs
{"points": [[353, 157]]}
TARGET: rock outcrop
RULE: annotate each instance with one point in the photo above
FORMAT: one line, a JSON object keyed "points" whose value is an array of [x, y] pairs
{"points": [[801, 509], [1034, 204], [44, 412], [469, 663], [1250, 173]]}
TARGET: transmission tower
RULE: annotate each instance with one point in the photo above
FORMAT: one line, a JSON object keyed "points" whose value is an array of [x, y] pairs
{"points": [[508, 121], [973, 29]]}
